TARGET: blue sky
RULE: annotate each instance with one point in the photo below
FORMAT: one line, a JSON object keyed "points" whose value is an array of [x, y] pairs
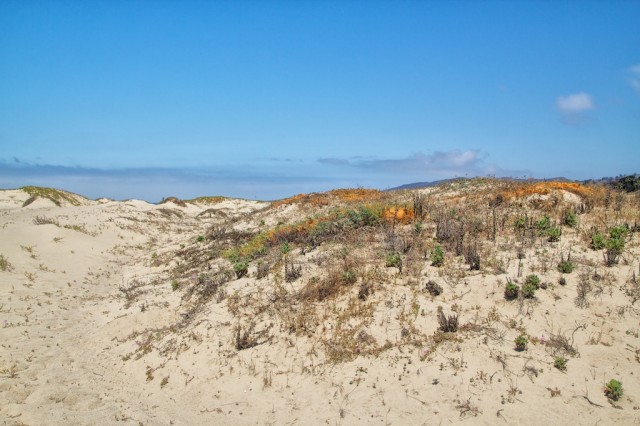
{"points": [[262, 99]]}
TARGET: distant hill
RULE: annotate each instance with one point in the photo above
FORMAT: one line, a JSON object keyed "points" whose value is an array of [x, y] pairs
{"points": [[629, 183], [418, 185]]}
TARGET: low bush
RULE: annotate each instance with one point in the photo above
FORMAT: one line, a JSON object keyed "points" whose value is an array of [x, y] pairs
{"points": [[560, 363], [566, 267], [447, 324], [614, 250], [521, 223], [533, 280], [241, 268], [521, 342], [437, 256], [528, 290], [393, 260], [597, 241], [543, 224], [553, 234], [349, 277], [613, 390], [570, 219], [511, 291], [433, 288]]}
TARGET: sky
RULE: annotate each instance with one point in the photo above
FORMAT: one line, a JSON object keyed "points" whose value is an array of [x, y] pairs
{"points": [[267, 99]]}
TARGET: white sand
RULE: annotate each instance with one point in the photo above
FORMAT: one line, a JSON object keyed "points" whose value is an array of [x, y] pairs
{"points": [[69, 355]]}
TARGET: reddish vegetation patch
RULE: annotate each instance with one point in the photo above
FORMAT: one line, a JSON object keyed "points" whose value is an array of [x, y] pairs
{"points": [[544, 188], [356, 195], [398, 214]]}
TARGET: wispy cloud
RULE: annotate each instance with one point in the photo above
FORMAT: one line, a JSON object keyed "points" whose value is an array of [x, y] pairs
{"points": [[154, 183], [448, 162], [260, 180], [574, 103], [634, 81]]}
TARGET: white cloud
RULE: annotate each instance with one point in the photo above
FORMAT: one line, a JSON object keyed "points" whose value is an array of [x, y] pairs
{"points": [[575, 102], [454, 161], [633, 81]]}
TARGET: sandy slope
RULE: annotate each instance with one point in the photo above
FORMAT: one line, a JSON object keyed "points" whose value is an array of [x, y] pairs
{"points": [[81, 304]]}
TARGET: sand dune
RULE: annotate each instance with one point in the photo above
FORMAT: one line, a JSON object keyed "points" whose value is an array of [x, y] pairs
{"points": [[129, 312]]}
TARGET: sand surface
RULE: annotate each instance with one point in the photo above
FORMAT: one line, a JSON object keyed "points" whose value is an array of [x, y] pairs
{"points": [[94, 332]]}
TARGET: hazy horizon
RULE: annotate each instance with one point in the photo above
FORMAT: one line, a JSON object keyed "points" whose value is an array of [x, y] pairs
{"points": [[264, 100]]}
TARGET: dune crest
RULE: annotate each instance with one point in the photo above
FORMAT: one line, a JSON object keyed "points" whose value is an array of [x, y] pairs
{"points": [[477, 300]]}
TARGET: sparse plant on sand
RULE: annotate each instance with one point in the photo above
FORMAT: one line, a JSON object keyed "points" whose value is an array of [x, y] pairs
{"points": [[615, 244], [553, 234], [565, 266], [448, 324], [511, 291], [437, 256], [4, 264], [560, 363], [533, 280], [433, 288], [393, 260], [597, 241], [521, 342], [613, 390], [570, 219], [543, 224], [241, 268]]}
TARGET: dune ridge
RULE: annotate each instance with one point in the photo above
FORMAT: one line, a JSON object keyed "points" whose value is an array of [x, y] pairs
{"points": [[346, 307]]}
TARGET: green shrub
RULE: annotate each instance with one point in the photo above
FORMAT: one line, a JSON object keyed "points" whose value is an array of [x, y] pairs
{"points": [[511, 291], [529, 290], [521, 342], [349, 277], [566, 266], [533, 280], [521, 223], [553, 234], [285, 248], [570, 219], [174, 285], [393, 260], [200, 238], [418, 227], [364, 216], [437, 256], [543, 224], [614, 250], [597, 241], [241, 268], [613, 390], [620, 232], [615, 243], [560, 363]]}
